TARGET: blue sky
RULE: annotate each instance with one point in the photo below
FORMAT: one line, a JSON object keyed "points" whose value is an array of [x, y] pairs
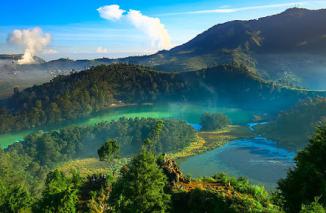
{"points": [[78, 31]]}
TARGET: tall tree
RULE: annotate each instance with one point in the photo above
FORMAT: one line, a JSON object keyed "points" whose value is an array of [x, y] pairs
{"points": [[141, 187], [308, 179], [60, 194], [109, 151], [154, 136]]}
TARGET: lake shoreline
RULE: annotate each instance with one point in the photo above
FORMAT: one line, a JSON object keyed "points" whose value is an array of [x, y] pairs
{"points": [[207, 141], [187, 112]]}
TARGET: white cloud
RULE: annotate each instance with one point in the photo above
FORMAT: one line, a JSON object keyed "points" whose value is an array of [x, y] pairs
{"points": [[151, 27], [111, 12], [240, 9], [33, 40], [102, 50], [50, 51]]}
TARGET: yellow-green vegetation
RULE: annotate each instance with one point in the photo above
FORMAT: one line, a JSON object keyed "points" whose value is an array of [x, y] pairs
{"points": [[210, 140], [222, 193], [197, 146], [89, 166]]}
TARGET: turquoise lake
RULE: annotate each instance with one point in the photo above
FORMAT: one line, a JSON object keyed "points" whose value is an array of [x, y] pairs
{"points": [[186, 112], [258, 159]]}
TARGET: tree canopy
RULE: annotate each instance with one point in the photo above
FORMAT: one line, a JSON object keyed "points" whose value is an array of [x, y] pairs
{"points": [[213, 121], [141, 187], [307, 181], [109, 151]]}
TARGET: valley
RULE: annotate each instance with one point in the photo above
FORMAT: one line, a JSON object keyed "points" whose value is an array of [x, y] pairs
{"points": [[238, 142], [232, 119]]}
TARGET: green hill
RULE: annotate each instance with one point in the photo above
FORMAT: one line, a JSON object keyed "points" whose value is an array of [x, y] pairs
{"points": [[295, 126], [81, 94]]}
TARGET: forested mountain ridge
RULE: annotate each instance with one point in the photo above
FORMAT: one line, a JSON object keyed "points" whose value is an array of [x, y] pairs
{"points": [[288, 48], [288, 25], [80, 94]]}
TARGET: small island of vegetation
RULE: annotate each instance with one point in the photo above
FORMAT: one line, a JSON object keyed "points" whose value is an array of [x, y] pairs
{"points": [[213, 121]]}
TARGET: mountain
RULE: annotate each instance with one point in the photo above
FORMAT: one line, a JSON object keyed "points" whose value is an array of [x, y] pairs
{"points": [[81, 94], [289, 48], [13, 58], [21, 76]]}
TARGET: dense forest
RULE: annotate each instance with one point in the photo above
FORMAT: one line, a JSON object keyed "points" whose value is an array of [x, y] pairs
{"points": [[81, 94], [153, 183], [43, 151], [76, 142], [295, 126]]}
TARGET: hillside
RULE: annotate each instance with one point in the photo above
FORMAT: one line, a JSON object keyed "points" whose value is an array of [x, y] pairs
{"points": [[81, 94], [287, 47], [295, 126]]}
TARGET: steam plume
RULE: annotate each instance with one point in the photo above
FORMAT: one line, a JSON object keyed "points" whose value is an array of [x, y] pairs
{"points": [[33, 40]]}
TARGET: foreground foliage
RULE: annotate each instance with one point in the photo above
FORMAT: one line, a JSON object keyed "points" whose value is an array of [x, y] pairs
{"points": [[152, 183], [307, 181], [222, 193], [141, 186]]}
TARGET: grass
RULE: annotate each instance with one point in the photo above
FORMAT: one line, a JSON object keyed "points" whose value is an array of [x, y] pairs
{"points": [[196, 147], [89, 166], [206, 141]]}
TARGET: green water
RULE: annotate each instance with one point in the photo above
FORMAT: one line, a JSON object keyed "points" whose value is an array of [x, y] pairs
{"points": [[187, 112], [261, 160]]}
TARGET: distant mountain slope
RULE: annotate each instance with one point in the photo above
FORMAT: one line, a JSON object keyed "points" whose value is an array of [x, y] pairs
{"points": [[80, 94], [289, 48], [295, 30]]}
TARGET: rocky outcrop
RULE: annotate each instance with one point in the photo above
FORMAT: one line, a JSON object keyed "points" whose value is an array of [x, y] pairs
{"points": [[172, 171]]}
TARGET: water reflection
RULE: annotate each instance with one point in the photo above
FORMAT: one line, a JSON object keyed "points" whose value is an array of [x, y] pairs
{"points": [[258, 159]]}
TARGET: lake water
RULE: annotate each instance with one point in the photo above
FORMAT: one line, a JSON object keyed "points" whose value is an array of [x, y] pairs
{"points": [[258, 159], [187, 112]]}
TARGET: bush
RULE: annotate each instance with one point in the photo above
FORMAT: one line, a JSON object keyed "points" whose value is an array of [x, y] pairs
{"points": [[314, 207], [213, 121], [141, 187]]}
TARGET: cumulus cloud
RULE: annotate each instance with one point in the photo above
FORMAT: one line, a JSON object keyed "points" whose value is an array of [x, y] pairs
{"points": [[33, 40], [111, 12], [102, 50], [151, 27]]}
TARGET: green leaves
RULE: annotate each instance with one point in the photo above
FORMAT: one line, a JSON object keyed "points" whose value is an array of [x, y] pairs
{"points": [[141, 188], [60, 194], [109, 151], [308, 179]]}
